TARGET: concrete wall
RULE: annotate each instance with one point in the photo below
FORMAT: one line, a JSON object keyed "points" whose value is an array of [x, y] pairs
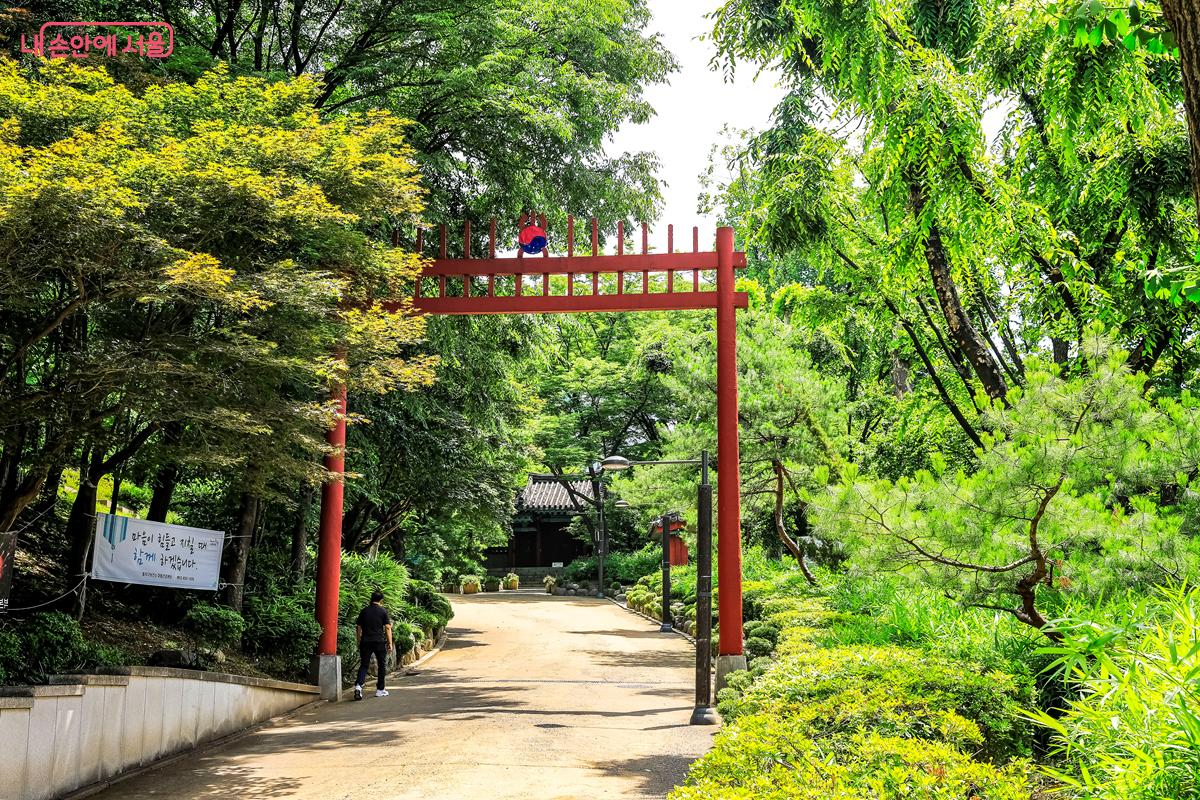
{"points": [[84, 729]]}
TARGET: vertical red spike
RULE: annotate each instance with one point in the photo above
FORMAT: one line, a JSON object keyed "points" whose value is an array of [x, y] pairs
{"points": [[466, 238], [420, 241], [492, 238], [396, 237], [645, 250], [491, 285], [570, 236], [441, 285], [695, 239], [670, 249], [595, 238], [545, 284], [518, 284], [442, 241], [542, 221], [620, 252]]}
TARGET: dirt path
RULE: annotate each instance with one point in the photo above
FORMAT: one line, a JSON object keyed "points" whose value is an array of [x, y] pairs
{"points": [[546, 698]]}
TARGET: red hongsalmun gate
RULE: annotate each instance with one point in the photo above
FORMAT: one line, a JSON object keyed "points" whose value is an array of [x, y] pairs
{"points": [[697, 279]]}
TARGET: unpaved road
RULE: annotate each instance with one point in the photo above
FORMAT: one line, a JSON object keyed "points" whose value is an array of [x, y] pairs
{"points": [[538, 697]]}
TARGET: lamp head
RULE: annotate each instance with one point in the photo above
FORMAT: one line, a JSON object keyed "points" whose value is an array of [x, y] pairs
{"points": [[615, 463]]}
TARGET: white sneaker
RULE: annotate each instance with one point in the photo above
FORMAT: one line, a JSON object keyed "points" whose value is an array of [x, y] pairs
{"points": [[358, 693], [381, 693]]}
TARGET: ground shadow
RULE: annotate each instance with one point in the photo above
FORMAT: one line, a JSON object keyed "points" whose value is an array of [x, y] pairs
{"points": [[211, 781], [654, 659], [656, 775], [628, 634]]}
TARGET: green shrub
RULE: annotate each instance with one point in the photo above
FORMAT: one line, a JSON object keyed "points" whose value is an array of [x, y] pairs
{"points": [[764, 757], [11, 656], [420, 617], [134, 496], [895, 692], [756, 647], [622, 567], [764, 630], [424, 595], [215, 626], [362, 575], [405, 637], [49, 643], [284, 629]]}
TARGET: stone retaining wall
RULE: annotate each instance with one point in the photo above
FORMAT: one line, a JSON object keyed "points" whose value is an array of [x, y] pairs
{"points": [[85, 729]]}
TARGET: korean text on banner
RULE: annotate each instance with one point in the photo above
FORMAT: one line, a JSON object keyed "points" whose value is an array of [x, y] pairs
{"points": [[130, 550]]}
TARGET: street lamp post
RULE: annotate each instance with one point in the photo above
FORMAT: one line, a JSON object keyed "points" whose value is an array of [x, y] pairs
{"points": [[703, 713], [667, 626]]}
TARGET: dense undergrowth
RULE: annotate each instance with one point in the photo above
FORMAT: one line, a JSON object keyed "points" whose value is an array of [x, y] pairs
{"points": [[273, 636], [871, 687]]}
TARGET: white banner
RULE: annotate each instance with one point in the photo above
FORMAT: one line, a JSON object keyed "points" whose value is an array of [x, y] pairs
{"points": [[129, 550]]}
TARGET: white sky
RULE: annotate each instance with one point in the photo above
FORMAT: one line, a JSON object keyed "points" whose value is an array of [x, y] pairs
{"points": [[692, 109]]}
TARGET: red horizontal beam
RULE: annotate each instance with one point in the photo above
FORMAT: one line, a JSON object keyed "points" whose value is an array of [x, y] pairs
{"points": [[571, 304], [635, 262]]}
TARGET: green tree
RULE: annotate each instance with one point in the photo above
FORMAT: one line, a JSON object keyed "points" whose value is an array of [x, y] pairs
{"points": [[1064, 500]]}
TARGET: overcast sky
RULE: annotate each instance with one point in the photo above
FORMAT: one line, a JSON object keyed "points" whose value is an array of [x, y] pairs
{"points": [[692, 109]]}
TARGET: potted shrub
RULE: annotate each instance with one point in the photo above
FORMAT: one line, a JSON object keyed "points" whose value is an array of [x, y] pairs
{"points": [[470, 583], [491, 584], [549, 582], [512, 581]]}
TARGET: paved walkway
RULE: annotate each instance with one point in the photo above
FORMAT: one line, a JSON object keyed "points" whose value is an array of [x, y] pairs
{"points": [[538, 697]]}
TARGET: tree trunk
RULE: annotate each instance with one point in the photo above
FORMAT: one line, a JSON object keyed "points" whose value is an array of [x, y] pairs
{"points": [[957, 323], [1183, 16], [165, 481], [116, 490], [1060, 350], [300, 534], [48, 499], [81, 525], [234, 593], [166, 478], [901, 375], [788, 541]]}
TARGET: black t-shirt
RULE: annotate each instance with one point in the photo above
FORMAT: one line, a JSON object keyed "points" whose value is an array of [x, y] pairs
{"points": [[373, 619]]}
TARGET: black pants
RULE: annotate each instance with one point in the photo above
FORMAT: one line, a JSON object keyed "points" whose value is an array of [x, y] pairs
{"points": [[365, 651]]}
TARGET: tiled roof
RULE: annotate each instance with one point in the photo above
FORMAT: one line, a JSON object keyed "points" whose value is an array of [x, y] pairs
{"points": [[545, 493]]}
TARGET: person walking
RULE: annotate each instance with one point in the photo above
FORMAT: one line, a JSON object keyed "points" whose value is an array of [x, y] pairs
{"points": [[373, 630]]}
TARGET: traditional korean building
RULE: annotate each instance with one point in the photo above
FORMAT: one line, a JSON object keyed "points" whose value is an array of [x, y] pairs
{"points": [[539, 543]]}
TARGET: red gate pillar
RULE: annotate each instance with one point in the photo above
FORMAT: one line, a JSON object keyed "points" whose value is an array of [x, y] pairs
{"points": [[729, 490], [327, 665]]}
